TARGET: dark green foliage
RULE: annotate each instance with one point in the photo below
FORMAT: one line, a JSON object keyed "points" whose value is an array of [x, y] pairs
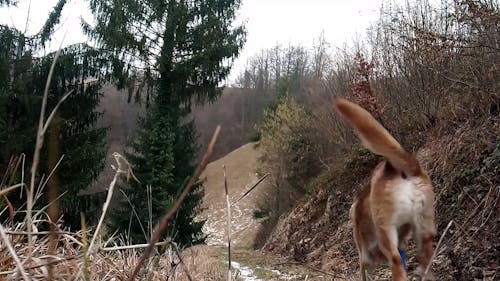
{"points": [[80, 141], [22, 81], [163, 161], [153, 164], [178, 52], [187, 44], [8, 2], [260, 213], [51, 22], [255, 136]]}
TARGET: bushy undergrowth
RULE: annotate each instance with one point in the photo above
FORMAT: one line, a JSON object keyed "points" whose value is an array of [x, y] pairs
{"points": [[289, 150]]}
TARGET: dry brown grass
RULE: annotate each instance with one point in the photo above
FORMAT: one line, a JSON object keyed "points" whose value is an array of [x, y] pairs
{"points": [[114, 262], [464, 161]]}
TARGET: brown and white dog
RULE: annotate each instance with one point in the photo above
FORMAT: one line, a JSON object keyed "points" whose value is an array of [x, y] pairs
{"points": [[399, 200]]}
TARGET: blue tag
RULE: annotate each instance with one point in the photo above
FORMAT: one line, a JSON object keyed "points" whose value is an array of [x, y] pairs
{"points": [[403, 257]]}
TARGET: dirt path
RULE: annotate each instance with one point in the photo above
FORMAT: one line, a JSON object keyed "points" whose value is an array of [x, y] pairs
{"points": [[205, 262], [257, 265]]}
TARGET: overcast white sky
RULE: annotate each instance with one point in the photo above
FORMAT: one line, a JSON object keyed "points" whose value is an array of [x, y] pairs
{"points": [[268, 22]]}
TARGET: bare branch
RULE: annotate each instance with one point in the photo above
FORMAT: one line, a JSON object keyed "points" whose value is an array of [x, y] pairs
{"points": [[251, 188]]}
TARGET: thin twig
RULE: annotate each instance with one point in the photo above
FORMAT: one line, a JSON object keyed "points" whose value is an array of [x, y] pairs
{"points": [[251, 188], [10, 188], [49, 119], [134, 212], [16, 259], [166, 219], [435, 250], [111, 188], [27, 18], [9, 169], [181, 261], [23, 156], [130, 247], [22, 233], [228, 224]]}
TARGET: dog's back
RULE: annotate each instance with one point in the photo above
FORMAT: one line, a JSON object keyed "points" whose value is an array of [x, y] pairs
{"points": [[399, 199]]}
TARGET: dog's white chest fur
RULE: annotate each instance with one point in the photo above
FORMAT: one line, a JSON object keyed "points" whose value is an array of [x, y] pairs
{"points": [[409, 201]]}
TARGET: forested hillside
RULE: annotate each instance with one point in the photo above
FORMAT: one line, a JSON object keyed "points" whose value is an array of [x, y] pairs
{"points": [[429, 73]]}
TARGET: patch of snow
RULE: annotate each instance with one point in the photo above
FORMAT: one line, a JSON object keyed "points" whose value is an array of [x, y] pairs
{"points": [[215, 223], [285, 276], [245, 272]]}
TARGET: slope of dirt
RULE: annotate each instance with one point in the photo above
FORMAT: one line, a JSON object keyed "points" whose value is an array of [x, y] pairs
{"points": [[241, 165]]}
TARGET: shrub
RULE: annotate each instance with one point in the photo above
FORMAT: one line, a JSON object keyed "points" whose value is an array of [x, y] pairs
{"points": [[255, 136], [287, 140]]}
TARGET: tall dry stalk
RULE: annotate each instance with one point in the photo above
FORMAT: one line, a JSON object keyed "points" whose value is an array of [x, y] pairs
{"points": [[251, 188], [228, 224], [118, 171], [52, 188], [42, 129]]}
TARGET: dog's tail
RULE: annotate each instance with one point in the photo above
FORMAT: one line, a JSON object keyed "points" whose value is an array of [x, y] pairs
{"points": [[376, 138]]}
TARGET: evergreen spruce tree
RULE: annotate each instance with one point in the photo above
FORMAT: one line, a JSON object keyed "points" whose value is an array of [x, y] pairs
{"points": [[183, 49], [22, 80]]}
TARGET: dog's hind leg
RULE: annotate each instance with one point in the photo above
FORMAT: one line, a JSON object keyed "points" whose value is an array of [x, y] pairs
{"points": [[365, 267], [425, 232], [424, 244], [389, 246]]}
